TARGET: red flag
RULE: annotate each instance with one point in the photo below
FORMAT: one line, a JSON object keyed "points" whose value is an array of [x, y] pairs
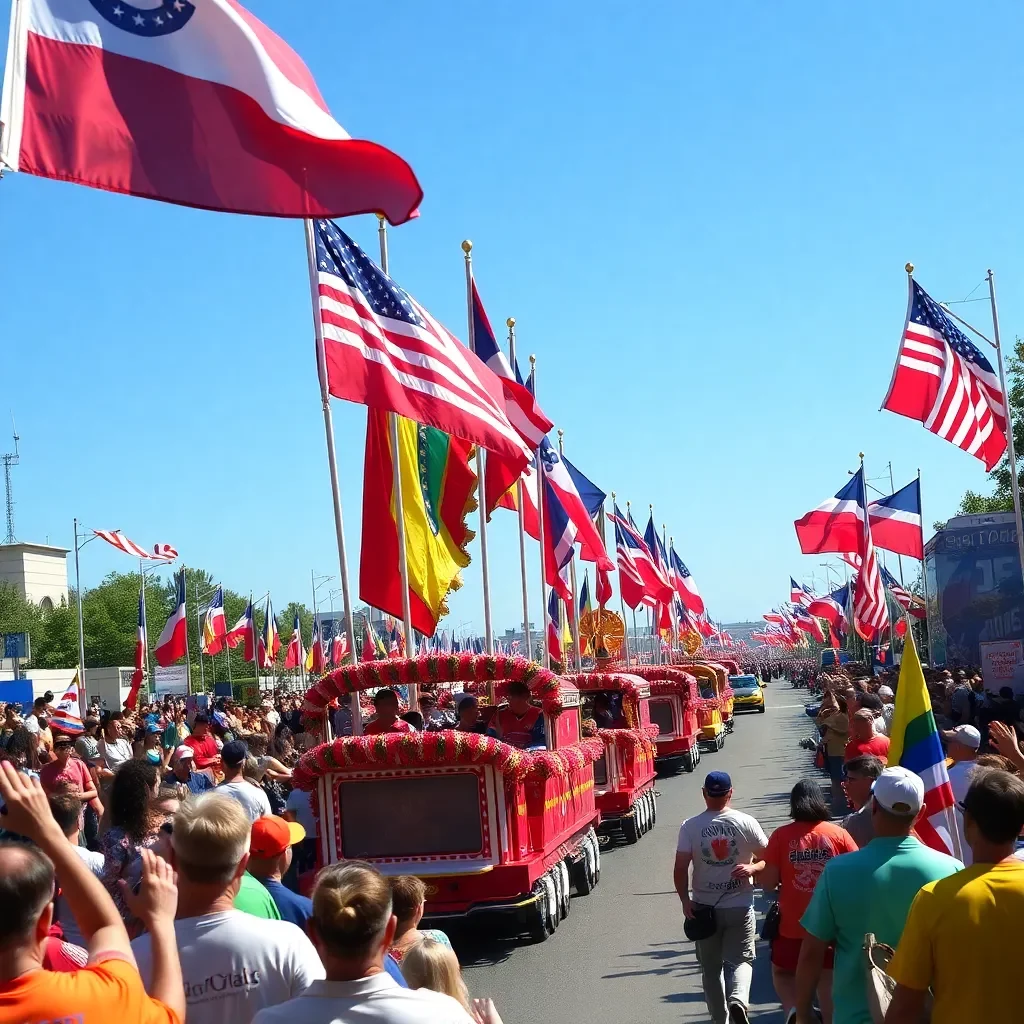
{"points": [[192, 103], [172, 643]]}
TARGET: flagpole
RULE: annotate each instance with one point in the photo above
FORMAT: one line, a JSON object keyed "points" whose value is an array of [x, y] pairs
{"points": [[188, 660], [674, 610], [892, 490], [654, 615], [467, 248], [142, 573], [332, 459], [396, 470], [622, 605], [924, 579], [199, 629], [573, 612], [539, 472], [511, 324], [82, 699], [1009, 419]]}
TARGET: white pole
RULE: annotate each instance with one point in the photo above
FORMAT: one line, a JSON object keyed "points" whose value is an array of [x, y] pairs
{"points": [[924, 583], [332, 460], [655, 612], [622, 605], [539, 469], [82, 700], [188, 660], [1009, 420], [527, 641], [467, 248], [574, 611], [396, 476]]}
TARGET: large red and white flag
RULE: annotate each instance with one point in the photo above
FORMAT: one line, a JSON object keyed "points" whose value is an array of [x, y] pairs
{"points": [[196, 103], [160, 552], [943, 380], [173, 642]]}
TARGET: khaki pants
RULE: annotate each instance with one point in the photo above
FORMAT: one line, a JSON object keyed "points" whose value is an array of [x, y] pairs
{"points": [[732, 944]]}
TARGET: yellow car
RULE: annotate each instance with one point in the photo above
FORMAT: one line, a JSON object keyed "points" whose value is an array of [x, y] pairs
{"points": [[747, 694]]}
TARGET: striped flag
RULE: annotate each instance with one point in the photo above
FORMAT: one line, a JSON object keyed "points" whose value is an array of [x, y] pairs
{"points": [[215, 626], [140, 654], [907, 601], [914, 744], [384, 350], [160, 552], [171, 645], [66, 717], [296, 653], [943, 380], [270, 638]]}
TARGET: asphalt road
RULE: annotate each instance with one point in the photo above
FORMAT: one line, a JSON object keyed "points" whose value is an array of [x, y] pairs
{"points": [[621, 955]]}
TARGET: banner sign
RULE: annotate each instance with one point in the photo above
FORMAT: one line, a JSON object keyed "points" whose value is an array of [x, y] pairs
{"points": [[1002, 664]]}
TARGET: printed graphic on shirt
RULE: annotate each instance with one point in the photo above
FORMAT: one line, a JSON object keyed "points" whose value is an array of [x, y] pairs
{"points": [[808, 862]]}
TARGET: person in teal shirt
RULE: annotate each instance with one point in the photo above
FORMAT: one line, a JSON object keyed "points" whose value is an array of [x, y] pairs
{"points": [[867, 891]]}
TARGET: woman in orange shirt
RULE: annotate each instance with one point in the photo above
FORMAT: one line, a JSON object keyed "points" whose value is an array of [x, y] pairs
{"points": [[795, 857]]}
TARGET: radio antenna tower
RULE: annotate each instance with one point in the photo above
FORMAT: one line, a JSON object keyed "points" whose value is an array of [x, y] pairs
{"points": [[11, 459]]}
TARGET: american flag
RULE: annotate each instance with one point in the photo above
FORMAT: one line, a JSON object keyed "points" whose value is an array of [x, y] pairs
{"points": [[384, 350], [906, 600], [870, 611], [159, 553], [943, 380]]}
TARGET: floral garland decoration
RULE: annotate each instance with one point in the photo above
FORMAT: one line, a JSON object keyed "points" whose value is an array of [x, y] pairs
{"points": [[666, 680], [436, 668], [642, 739]]}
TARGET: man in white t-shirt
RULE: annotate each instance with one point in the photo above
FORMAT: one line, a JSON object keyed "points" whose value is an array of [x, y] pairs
{"points": [[962, 745], [236, 786], [724, 848], [230, 969]]}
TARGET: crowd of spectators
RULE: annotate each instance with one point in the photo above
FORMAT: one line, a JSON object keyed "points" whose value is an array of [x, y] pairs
{"points": [[136, 855]]}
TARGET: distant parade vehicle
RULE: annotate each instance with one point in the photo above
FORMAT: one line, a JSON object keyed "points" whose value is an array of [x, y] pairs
{"points": [[747, 693], [673, 709], [715, 707]]}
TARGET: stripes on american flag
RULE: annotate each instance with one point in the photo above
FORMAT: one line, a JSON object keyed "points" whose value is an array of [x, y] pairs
{"points": [[384, 350], [160, 552], [870, 611], [944, 381]]}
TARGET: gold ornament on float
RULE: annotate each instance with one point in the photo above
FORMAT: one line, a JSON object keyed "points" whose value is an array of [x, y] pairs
{"points": [[691, 642], [602, 631]]}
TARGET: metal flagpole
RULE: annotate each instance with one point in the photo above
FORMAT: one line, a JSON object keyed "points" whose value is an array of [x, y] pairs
{"points": [[539, 471], [511, 324], [654, 615], [199, 627], [188, 659], [636, 639], [142, 572], [82, 700], [1009, 420], [892, 490], [332, 460], [674, 610], [622, 604], [924, 583], [574, 611], [396, 475], [467, 248]]}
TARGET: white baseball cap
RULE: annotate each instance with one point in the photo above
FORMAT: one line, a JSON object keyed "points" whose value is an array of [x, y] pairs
{"points": [[183, 752], [885, 691], [899, 791], [965, 735]]}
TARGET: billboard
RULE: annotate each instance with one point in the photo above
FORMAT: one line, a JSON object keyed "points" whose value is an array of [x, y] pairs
{"points": [[976, 595]]}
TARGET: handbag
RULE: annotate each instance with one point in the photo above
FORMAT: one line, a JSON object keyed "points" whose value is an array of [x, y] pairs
{"points": [[819, 757], [770, 924], [701, 925], [881, 987]]}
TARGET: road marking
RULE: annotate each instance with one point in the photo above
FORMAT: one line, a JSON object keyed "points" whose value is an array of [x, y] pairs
{"points": [[781, 706]]}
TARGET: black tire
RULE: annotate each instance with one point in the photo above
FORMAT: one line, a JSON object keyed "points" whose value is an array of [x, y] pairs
{"points": [[654, 808], [762, 710], [630, 829], [564, 902], [581, 880], [540, 925]]}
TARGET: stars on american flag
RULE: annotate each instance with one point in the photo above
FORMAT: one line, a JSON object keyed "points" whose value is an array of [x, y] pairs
{"points": [[337, 254], [139, 19], [929, 313]]}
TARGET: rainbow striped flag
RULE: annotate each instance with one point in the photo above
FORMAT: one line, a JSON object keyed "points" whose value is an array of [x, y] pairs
{"points": [[914, 744]]}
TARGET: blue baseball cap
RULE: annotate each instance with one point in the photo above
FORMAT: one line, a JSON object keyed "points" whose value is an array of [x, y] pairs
{"points": [[152, 729], [717, 784]]}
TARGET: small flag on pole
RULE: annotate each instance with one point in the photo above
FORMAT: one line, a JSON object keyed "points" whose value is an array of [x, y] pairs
{"points": [[171, 645]]}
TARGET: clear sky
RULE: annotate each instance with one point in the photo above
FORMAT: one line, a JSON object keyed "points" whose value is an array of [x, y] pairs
{"points": [[698, 214]]}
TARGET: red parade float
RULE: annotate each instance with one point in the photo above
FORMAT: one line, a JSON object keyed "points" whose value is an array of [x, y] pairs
{"points": [[489, 827], [714, 709], [616, 708], [673, 707]]}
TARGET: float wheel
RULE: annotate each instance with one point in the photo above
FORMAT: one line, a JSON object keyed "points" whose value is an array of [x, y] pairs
{"points": [[630, 827], [583, 869], [654, 808], [564, 882], [540, 925]]}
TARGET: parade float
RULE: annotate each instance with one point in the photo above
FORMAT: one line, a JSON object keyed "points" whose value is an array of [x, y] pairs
{"points": [[489, 827], [713, 707], [673, 708], [624, 774]]}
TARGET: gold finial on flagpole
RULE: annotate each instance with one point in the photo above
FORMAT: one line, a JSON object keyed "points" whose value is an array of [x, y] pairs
{"points": [[467, 247], [380, 217], [533, 360], [613, 495], [909, 268], [510, 322], [861, 454]]}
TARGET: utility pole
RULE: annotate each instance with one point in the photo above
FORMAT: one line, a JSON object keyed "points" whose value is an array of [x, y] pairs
{"points": [[11, 459]]}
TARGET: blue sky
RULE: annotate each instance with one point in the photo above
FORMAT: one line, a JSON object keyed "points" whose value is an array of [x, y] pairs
{"points": [[699, 218]]}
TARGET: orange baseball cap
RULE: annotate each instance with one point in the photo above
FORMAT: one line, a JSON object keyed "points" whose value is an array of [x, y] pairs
{"points": [[271, 836]]}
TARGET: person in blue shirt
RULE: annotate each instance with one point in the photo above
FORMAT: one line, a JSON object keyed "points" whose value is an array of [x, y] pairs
{"points": [[270, 854], [181, 773]]}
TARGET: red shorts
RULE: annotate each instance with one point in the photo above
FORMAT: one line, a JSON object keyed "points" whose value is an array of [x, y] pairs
{"points": [[786, 952]]}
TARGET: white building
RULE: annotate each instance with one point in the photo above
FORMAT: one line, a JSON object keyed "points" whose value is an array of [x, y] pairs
{"points": [[39, 571]]}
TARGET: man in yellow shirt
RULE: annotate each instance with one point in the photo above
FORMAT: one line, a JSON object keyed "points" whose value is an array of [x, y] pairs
{"points": [[961, 939]]}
